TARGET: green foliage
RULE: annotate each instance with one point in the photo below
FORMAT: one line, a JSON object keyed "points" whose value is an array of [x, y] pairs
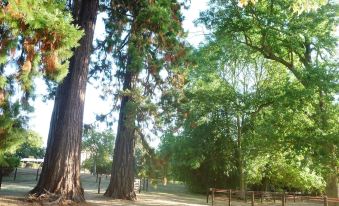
{"points": [[11, 131], [304, 43], [298, 6], [138, 42], [8, 164], [31, 146], [104, 166], [99, 145], [44, 33], [258, 98], [207, 152], [279, 173], [35, 36], [14, 139]]}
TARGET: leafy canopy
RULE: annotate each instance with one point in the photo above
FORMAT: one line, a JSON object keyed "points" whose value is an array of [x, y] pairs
{"points": [[43, 32]]}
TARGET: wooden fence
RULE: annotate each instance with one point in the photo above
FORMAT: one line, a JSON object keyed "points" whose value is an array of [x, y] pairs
{"points": [[139, 184], [228, 195], [25, 174]]}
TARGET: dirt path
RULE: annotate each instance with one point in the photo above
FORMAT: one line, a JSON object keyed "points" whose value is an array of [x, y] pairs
{"points": [[150, 198]]}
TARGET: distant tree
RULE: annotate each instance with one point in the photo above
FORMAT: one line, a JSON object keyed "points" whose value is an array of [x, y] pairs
{"points": [[32, 145], [99, 145], [12, 134]]}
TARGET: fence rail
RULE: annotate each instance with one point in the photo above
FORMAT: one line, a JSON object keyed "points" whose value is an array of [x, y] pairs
{"points": [[18, 173], [252, 196]]}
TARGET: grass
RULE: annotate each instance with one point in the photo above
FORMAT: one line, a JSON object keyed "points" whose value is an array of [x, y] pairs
{"points": [[13, 193]]}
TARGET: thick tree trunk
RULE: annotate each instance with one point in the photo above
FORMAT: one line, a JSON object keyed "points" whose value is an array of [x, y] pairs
{"points": [[121, 184], [61, 169]]}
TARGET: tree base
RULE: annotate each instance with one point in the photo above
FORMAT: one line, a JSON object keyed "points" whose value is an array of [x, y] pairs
{"points": [[131, 196], [47, 198]]}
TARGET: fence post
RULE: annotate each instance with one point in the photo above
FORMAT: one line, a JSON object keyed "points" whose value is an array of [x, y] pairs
{"points": [[283, 199], [147, 185], [97, 178], [139, 185], [274, 196], [325, 201], [294, 197], [208, 194], [37, 174], [252, 198], [261, 196], [16, 170], [0, 176], [212, 196], [229, 197], [99, 185]]}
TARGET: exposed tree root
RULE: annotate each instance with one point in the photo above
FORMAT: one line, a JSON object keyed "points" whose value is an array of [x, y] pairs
{"points": [[49, 199]]}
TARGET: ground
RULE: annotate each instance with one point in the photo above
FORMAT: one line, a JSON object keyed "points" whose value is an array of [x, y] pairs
{"points": [[13, 193]]}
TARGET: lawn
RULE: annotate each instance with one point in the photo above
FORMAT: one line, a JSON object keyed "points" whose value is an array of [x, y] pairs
{"points": [[14, 192]]}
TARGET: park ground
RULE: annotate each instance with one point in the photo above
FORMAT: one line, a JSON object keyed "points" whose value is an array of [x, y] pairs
{"points": [[13, 193]]}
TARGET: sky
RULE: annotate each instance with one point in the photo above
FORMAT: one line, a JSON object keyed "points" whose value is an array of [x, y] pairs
{"points": [[40, 118]]}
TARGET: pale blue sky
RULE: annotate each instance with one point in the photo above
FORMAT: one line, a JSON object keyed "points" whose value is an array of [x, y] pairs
{"points": [[40, 119]]}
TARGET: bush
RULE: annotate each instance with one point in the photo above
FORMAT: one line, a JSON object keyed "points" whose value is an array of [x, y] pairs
{"points": [[11, 163], [102, 167]]}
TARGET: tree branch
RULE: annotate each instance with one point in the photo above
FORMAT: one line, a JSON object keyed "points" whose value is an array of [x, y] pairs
{"points": [[144, 143]]}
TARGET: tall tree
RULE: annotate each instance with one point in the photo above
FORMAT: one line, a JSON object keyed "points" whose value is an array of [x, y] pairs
{"points": [[145, 36], [229, 90], [304, 43], [35, 37], [61, 169]]}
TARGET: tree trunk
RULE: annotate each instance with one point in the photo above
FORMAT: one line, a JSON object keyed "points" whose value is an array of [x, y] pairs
{"points": [[240, 159], [95, 165], [165, 176], [121, 184], [332, 186], [61, 169], [1, 177]]}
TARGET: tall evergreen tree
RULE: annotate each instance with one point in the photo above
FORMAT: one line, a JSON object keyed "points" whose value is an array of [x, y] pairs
{"points": [[145, 37], [61, 169], [36, 37]]}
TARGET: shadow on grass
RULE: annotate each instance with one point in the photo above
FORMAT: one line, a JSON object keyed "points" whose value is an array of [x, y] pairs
{"points": [[14, 192]]}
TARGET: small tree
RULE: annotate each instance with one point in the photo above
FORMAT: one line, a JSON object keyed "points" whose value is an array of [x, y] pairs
{"points": [[100, 147]]}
